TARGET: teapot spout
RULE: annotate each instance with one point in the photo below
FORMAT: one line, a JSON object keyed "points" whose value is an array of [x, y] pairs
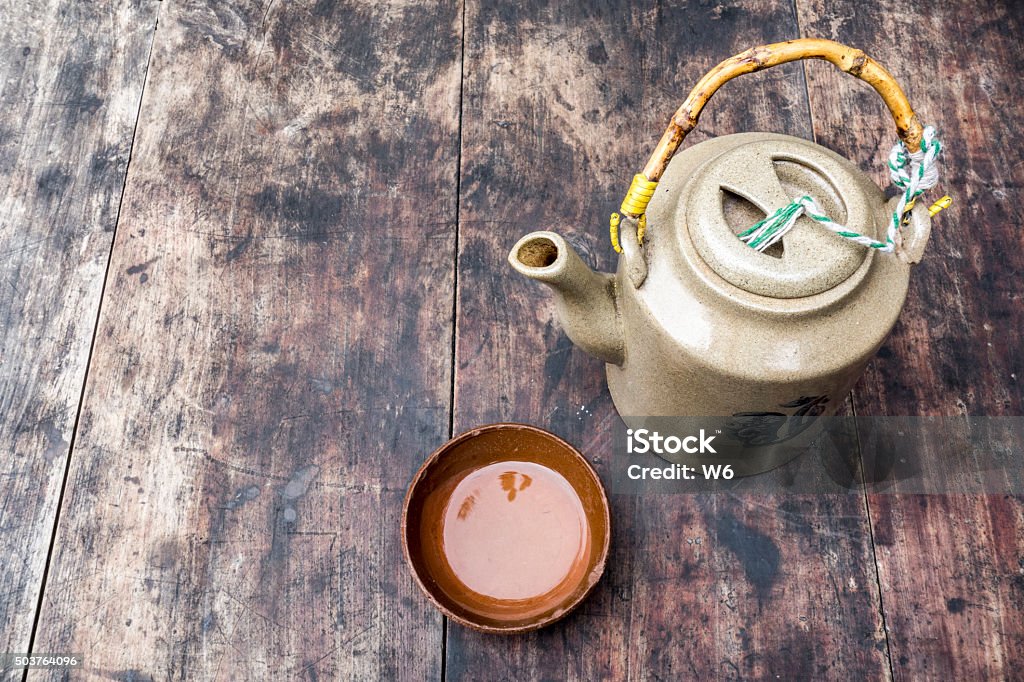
{"points": [[585, 299]]}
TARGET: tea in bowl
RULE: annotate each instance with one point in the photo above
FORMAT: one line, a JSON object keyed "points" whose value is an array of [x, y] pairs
{"points": [[506, 528]]}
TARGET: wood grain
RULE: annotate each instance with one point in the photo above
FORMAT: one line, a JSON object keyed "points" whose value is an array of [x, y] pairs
{"points": [[951, 567], [71, 76], [561, 106], [274, 351], [273, 354]]}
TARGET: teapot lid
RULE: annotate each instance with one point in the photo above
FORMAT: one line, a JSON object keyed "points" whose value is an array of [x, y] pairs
{"points": [[739, 187]]}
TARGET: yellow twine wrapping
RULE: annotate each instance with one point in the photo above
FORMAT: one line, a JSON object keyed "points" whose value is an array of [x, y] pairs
{"points": [[640, 193], [940, 205], [614, 230]]}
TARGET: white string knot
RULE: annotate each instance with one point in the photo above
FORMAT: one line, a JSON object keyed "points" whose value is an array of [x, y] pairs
{"points": [[912, 172], [922, 165]]}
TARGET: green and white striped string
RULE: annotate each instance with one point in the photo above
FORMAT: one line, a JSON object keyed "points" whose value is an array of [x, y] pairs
{"points": [[912, 172]]}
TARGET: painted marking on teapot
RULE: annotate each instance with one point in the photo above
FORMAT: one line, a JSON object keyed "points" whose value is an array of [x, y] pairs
{"points": [[762, 428]]}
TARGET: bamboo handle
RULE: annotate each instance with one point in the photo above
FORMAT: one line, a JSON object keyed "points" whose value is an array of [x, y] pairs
{"points": [[848, 59]]}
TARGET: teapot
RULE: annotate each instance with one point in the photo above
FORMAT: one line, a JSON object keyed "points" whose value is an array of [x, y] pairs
{"points": [[696, 322]]}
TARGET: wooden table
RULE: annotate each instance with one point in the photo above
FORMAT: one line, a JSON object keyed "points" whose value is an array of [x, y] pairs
{"points": [[253, 271]]}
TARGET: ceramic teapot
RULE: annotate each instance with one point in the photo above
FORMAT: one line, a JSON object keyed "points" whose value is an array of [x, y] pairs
{"points": [[695, 321]]}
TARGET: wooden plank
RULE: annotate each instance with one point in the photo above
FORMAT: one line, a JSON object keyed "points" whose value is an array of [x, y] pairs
{"points": [[950, 566], [71, 75], [274, 352], [561, 106]]}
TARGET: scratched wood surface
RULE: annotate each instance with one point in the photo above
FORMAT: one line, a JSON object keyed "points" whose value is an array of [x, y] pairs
{"points": [[951, 567], [561, 106], [71, 76], [272, 354], [309, 266]]}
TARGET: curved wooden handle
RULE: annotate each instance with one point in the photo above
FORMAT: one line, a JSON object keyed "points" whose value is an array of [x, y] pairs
{"points": [[848, 59]]}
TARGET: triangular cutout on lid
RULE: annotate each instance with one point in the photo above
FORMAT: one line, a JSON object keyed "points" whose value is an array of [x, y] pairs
{"points": [[741, 213]]}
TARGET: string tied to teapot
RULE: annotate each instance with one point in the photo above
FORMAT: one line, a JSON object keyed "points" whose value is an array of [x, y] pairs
{"points": [[911, 172]]}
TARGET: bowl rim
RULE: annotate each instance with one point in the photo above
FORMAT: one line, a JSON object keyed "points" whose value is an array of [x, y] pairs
{"points": [[594, 576]]}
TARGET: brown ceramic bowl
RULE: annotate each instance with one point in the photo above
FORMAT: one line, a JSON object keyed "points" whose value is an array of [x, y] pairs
{"points": [[506, 528]]}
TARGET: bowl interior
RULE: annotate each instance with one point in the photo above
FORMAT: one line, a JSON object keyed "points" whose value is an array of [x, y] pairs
{"points": [[506, 528]]}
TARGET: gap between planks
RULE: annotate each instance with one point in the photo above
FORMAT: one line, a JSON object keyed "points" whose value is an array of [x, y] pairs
{"points": [[92, 348]]}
